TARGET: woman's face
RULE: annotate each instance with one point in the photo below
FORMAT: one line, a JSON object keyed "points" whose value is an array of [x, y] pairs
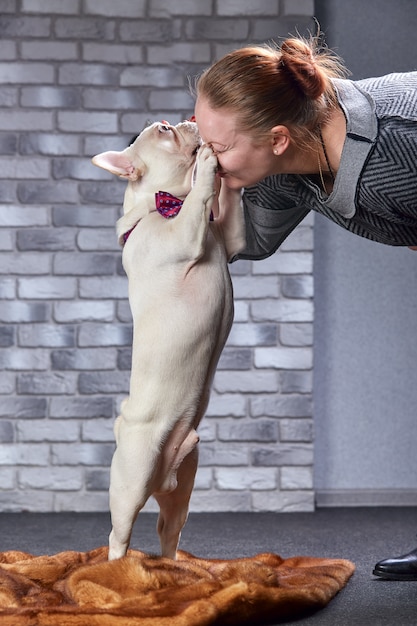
{"points": [[242, 161]]}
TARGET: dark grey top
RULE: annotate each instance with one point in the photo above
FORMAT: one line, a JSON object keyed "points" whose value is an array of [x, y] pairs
{"points": [[375, 191]]}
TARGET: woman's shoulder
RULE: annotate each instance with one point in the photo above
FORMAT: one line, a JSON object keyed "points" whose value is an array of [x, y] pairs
{"points": [[393, 94]]}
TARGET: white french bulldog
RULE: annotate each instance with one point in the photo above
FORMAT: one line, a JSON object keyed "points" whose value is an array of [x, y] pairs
{"points": [[181, 298]]}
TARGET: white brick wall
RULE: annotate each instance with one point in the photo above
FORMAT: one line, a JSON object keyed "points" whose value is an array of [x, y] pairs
{"points": [[78, 78]]}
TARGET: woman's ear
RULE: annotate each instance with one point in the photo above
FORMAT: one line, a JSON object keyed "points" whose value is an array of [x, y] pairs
{"points": [[280, 139]]}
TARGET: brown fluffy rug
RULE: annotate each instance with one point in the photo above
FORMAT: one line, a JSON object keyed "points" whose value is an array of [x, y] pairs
{"points": [[84, 589]]}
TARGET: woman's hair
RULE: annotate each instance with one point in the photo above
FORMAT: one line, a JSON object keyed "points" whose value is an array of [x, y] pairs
{"points": [[268, 86]]}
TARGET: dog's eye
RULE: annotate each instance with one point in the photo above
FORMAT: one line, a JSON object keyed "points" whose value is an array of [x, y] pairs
{"points": [[163, 128]]}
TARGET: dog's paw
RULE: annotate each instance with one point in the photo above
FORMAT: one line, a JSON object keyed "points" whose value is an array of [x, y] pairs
{"points": [[206, 161]]}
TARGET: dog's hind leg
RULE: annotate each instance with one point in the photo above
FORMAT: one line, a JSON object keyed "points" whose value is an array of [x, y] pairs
{"points": [[174, 504], [130, 480]]}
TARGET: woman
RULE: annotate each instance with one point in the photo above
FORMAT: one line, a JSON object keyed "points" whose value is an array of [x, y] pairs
{"points": [[290, 128]]}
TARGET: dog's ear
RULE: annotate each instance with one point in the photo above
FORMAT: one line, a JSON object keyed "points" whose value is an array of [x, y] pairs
{"points": [[120, 164]]}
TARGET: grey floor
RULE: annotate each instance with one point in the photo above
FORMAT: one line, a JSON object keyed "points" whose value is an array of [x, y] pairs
{"points": [[363, 535]]}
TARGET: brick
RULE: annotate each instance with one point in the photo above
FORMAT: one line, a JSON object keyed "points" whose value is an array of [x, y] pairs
{"points": [[122, 54], [51, 97], [149, 30], [79, 28], [47, 430], [284, 358], [256, 479], [227, 405], [235, 359], [87, 122], [19, 312], [13, 26], [123, 8], [283, 501], [9, 97], [49, 288], [6, 240], [46, 336], [22, 359], [51, 6], [6, 432], [241, 311], [25, 120], [247, 7], [83, 408], [8, 192], [97, 480], [204, 478], [26, 500], [52, 478], [245, 382], [79, 359], [253, 335], [217, 29], [120, 99], [124, 314], [190, 52], [85, 311], [296, 334], [23, 408], [296, 478], [86, 216], [152, 77], [212, 501], [53, 50], [21, 168], [226, 455], [24, 454], [124, 359], [47, 383], [79, 169], [7, 478], [49, 239], [93, 335], [256, 287], [8, 48], [284, 454], [297, 286], [24, 264], [98, 430], [282, 311], [282, 405], [248, 431], [82, 454], [103, 382], [84, 264], [114, 287], [103, 193], [161, 8], [207, 431], [297, 7], [8, 143], [49, 144], [81, 502], [171, 101], [7, 336], [28, 73], [296, 430], [42, 193], [296, 381], [7, 289], [7, 383]]}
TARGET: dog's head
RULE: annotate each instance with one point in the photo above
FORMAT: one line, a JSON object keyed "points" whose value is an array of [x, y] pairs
{"points": [[162, 157]]}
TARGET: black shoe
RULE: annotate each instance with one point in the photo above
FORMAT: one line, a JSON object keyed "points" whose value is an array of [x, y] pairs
{"points": [[398, 568]]}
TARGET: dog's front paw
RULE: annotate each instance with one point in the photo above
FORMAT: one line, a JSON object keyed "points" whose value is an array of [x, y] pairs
{"points": [[206, 165]]}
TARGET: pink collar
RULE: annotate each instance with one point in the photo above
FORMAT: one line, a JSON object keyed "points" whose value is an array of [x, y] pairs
{"points": [[167, 205]]}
